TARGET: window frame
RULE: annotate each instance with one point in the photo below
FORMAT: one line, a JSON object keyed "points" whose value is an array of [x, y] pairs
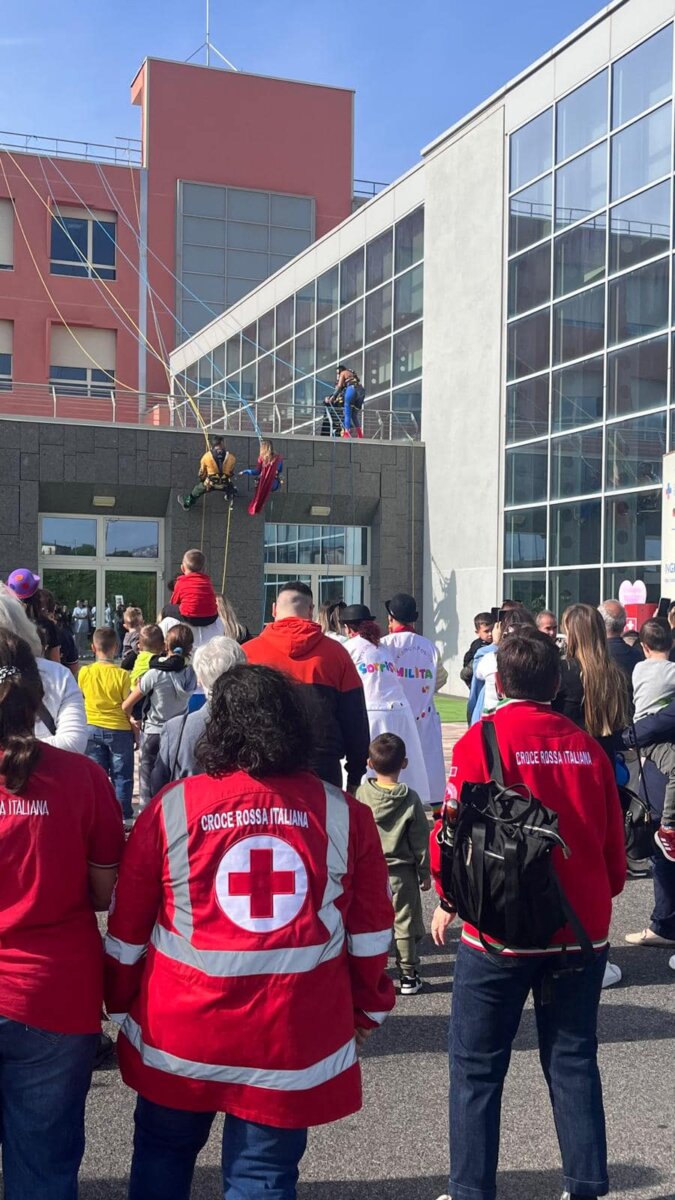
{"points": [[90, 268]]}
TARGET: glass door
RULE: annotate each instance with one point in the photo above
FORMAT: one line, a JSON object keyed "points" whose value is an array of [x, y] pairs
{"points": [[135, 589]]}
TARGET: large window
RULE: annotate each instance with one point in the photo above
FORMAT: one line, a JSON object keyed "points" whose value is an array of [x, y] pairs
{"points": [[589, 391], [82, 361], [364, 312], [83, 244], [332, 559]]}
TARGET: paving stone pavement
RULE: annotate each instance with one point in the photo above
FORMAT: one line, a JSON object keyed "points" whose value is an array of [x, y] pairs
{"points": [[396, 1147]]}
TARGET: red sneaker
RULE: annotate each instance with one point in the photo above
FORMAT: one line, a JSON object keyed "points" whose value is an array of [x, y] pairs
{"points": [[665, 840]]}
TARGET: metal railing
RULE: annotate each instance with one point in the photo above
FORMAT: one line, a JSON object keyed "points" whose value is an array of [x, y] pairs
{"points": [[256, 418], [368, 187], [128, 150]]}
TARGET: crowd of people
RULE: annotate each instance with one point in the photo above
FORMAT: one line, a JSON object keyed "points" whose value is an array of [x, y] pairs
{"points": [[281, 837]]}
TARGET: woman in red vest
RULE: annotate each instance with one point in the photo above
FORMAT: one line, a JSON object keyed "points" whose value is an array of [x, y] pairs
{"points": [[247, 949]]}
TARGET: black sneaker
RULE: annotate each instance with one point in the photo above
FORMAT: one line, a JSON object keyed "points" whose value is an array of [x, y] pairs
{"points": [[411, 984], [574, 1196], [104, 1051]]}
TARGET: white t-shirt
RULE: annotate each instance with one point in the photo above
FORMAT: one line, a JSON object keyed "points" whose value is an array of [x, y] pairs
{"points": [[65, 703], [486, 669]]}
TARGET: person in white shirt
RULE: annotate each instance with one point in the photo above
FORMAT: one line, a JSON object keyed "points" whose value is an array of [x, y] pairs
{"points": [[654, 688], [63, 721]]}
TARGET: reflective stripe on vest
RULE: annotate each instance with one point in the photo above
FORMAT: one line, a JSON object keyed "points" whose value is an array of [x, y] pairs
{"points": [[126, 953], [229, 964], [263, 1077], [366, 945]]}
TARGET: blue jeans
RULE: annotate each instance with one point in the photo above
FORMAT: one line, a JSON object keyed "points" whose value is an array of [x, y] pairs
{"points": [[259, 1162], [487, 1001], [44, 1080], [113, 749]]}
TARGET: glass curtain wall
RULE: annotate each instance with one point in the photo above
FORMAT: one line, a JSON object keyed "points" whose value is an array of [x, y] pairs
{"points": [[589, 334], [365, 311]]}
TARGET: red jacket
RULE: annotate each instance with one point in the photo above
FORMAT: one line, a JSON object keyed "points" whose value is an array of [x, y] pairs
{"points": [[333, 693], [247, 938], [194, 595], [569, 772]]}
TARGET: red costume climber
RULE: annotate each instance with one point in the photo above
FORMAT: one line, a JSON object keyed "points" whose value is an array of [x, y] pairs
{"points": [[268, 474]]}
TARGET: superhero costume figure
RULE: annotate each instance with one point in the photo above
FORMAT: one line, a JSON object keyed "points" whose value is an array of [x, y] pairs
{"points": [[268, 474], [216, 470]]}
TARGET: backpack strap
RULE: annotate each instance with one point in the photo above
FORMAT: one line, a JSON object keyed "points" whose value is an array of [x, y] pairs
{"points": [[46, 717], [587, 951], [180, 739], [494, 758]]}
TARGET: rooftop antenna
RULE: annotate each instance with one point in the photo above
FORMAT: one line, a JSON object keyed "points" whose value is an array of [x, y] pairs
{"points": [[208, 45]]}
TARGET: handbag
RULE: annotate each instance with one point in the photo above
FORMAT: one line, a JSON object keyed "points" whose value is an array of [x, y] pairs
{"points": [[638, 825]]}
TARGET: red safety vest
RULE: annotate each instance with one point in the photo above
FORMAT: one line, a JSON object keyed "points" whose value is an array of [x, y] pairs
{"points": [[248, 936]]}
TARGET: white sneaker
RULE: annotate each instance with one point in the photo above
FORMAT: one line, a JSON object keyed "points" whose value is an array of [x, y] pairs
{"points": [[612, 975], [671, 963]]}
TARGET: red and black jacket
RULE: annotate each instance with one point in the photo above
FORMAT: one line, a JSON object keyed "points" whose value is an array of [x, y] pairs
{"points": [[333, 693]]}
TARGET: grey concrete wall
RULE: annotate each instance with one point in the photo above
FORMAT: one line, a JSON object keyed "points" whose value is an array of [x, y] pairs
{"points": [[48, 467]]}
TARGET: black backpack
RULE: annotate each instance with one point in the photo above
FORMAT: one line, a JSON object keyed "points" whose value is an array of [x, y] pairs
{"points": [[496, 866]]}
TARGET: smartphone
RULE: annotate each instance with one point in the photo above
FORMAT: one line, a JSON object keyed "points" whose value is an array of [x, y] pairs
{"points": [[504, 614], [495, 612], [664, 605]]}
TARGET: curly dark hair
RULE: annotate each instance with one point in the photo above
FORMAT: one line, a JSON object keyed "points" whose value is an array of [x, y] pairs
{"points": [[258, 724]]}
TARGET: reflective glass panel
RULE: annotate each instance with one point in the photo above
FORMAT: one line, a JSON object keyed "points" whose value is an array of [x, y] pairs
{"points": [[634, 451], [641, 153], [527, 589], [304, 307], [579, 326], [327, 342], [249, 343], [266, 375], [638, 302], [233, 353], [351, 277], [69, 238], [378, 313], [633, 527], [406, 403], [377, 367], [650, 576], [576, 464], [266, 332], [640, 228], [304, 353], [351, 329], [379, 259], [526, 474], [573, 587], [248, 382], [581, 187], [637, 378], [408, 295], [284, 313], [132, 539], [409, 240], [577, 395], [530, 214], [68, 535], [532, 149], [582, 117], [407, 357], [527, 409], [283, 366], [528, 345], [580, 255], [327, 293], [575, 533], [103, 244], [530, 280], [525, 538], [643, 77]]}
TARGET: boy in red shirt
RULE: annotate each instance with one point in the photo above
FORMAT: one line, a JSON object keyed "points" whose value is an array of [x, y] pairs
{"points": [[570, 773], [193, 591]]}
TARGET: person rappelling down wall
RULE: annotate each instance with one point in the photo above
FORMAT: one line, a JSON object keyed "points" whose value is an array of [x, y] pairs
{"points": [[267, 472], [216, 471]]}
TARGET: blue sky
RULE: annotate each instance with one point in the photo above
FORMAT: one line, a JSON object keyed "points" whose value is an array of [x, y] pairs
{"points": [[417, 65]]}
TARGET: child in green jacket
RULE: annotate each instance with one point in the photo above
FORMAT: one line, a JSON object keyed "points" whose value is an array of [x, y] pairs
{"points": [[404, 834]]}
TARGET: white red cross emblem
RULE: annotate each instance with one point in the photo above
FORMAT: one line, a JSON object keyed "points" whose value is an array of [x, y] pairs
{"points": [[261, 883]]}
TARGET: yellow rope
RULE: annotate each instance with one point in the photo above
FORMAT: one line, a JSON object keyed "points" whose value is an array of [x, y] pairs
{"points": [[227, 547], [201, 541]]}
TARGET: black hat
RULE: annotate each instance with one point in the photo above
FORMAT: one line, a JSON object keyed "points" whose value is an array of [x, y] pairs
{"points": [[354, 613], [403, 608]]}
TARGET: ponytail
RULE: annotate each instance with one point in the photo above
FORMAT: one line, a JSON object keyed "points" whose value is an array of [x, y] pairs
{"points": [[20, 698]]}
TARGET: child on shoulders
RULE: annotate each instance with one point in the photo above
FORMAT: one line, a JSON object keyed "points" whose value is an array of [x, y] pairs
{"points": [[193, 591]]}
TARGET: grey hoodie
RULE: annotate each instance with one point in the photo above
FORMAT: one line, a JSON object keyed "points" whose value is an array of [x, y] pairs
{"points": [[169, 692], [401, 823]]}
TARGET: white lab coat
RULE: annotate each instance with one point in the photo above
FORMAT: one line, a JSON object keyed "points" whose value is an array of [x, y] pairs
{"points": [[417, 661], [388, 709]]}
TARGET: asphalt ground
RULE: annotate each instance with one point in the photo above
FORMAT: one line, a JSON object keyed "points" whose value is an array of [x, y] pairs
{"points": [[396, 1148]]}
